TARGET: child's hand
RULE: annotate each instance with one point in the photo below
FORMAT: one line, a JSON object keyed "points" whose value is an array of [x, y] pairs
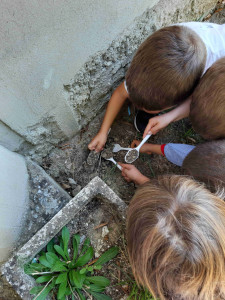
{"points": [[157, 123], [144, 149], [98, 142], [130, 173]]}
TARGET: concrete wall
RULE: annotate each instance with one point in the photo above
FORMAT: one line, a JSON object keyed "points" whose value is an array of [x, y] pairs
{"points": [[13, 199], [60, 60]]}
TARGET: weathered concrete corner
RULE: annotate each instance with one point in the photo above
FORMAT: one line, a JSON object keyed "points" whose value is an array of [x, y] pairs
{"points": [[13, 269]]}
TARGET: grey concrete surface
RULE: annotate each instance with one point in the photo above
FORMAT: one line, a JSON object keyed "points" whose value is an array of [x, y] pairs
{"points": [[13, 268], [46, 198], [29, 198], [14, 198]]}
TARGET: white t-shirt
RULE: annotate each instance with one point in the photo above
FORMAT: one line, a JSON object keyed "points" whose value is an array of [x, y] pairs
{"points": [[212, 35]]}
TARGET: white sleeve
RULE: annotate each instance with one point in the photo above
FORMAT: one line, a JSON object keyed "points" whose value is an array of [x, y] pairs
{"points": [[176, 153]]}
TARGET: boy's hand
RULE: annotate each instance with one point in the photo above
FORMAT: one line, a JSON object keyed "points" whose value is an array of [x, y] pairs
{"points": [[130, 173], [144, 148], [157, 123], [98, 142]]}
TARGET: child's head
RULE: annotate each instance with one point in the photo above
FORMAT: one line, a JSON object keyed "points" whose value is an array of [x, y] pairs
{"points": [[206, 162], [207, 112], [176, 239], [166, 68]]}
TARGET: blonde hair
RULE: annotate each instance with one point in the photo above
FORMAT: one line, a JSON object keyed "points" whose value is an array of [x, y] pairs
{"points": [[176, 239]]}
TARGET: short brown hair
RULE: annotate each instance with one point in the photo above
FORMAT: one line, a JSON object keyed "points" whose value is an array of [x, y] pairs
{"points": [[207, 111], [176, 239], [206, 162], [166, 68]]}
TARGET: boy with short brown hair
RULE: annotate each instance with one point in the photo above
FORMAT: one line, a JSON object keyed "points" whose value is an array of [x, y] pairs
{"points": [[190, 50], [206, 162], [207, 110], [166, 68]]}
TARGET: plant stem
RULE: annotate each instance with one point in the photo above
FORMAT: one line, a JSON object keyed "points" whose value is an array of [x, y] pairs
{"points": [[44, 288], [88, 294], [41, 273], [75, 295]]}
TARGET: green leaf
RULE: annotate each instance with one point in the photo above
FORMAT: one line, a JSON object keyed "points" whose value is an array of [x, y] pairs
{"points": [[50, 246], [80, 294], [44, 278], [107, 256], [83, 271], [61, 278], [82, 260], [76, 243], [29, 269], [44, 293], [78, 279], [37, 267], [35, 290], [96, 288], [51, 258], [66, 238], [85, 246], [99, 280], [44, 261], [59, 250], [70, 275], [71, 265], [98, 267], [58, 267], [68, 291], [98, 296], [90, 269], [62, 290]]}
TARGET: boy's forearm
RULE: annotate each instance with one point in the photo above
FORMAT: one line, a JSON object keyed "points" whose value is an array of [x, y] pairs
{"points": [[181, 111], [115, 104], [142, 180], [154, 148]]}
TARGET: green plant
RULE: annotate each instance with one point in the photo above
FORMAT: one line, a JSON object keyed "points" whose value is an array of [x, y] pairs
{"points": [[139, 293], [68, 274]]}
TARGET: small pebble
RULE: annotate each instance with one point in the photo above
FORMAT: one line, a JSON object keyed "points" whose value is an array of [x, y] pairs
{"points": [[72, 181]]}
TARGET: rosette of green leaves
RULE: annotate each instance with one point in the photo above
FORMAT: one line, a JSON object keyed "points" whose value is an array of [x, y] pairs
{"points": [[66, 274]]}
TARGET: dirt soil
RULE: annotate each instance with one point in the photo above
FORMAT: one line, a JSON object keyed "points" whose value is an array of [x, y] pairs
{"points": [[72, 165]]}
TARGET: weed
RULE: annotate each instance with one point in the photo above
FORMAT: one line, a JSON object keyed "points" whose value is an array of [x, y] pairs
{"points": [[139, 293], [189, 133], [153, 173], [68, 274]]}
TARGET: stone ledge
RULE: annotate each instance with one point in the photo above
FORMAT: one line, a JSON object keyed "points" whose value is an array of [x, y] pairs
{"points": [[13, 271]]}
